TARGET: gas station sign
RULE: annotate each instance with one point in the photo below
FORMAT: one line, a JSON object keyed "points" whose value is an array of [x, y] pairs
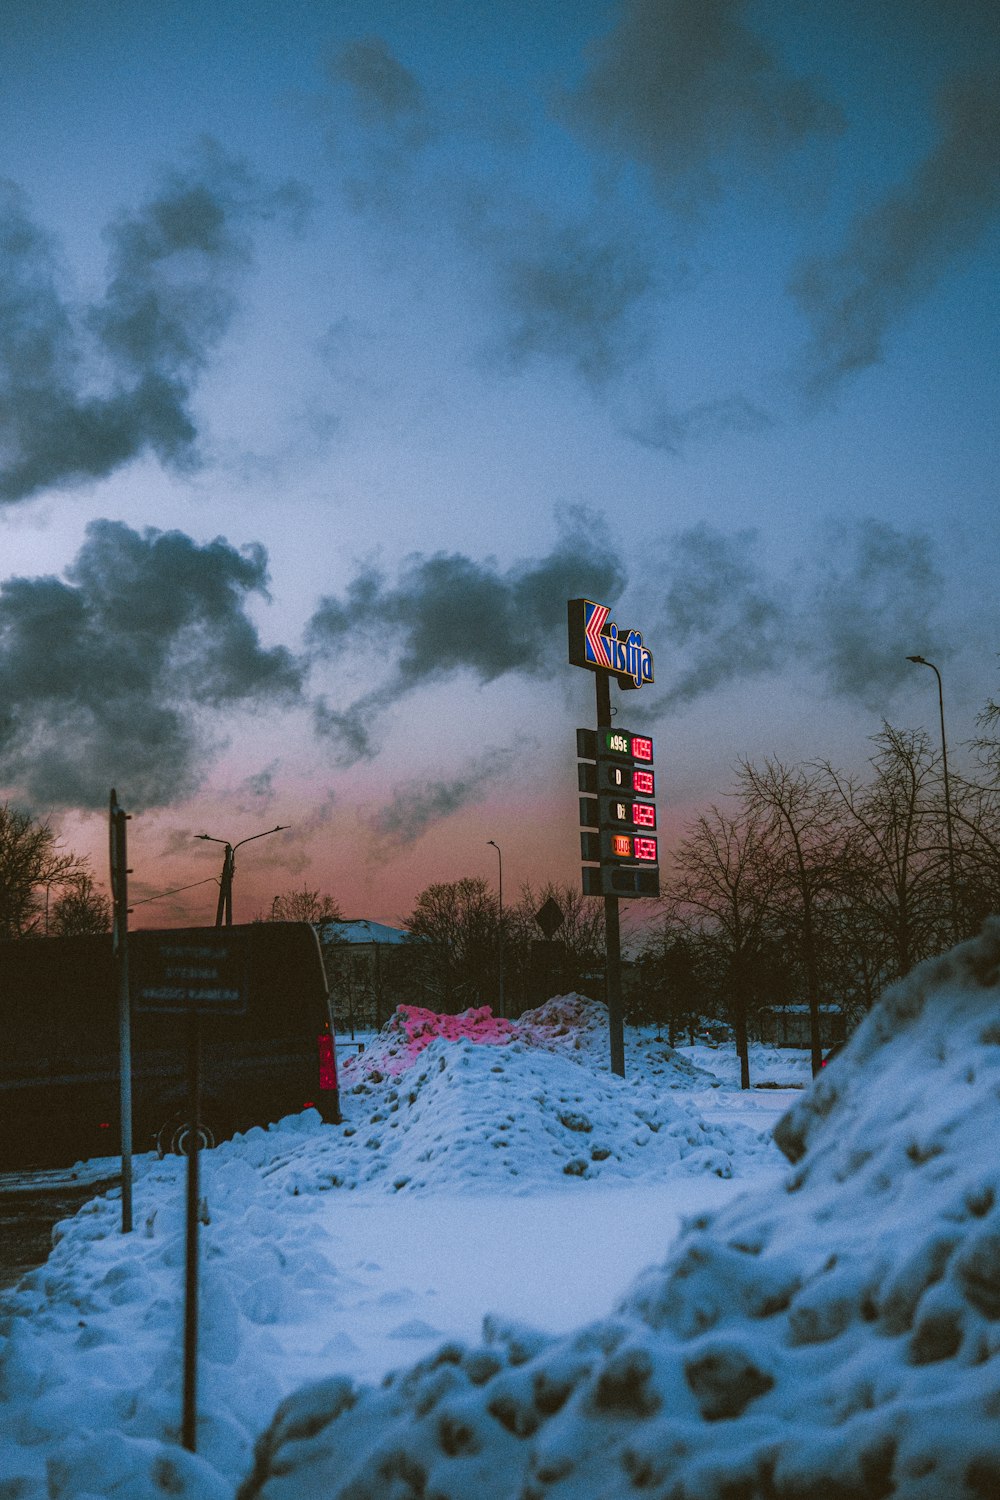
{"points": [[597, 643]]}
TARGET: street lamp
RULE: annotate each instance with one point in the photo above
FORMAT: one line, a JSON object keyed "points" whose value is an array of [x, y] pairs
{"points": [[496, 846], [922, 662], [224, 910]]}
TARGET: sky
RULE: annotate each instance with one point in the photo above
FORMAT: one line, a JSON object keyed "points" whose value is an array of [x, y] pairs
{"points": [[341, 344]]}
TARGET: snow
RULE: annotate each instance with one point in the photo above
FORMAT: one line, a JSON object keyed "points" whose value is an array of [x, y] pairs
{"points": [[512, 1274], [361, 930]]}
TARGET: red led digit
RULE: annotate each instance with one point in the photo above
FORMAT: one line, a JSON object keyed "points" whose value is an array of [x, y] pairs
{"points": [[642, 782], [645, 848], [644, 814], [642, 748]]}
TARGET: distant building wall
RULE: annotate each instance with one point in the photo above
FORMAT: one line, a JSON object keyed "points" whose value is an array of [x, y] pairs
{"points": [[788, 1025], [368, 969]]}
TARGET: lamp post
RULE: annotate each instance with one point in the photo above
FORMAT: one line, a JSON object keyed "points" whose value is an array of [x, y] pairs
{"points": [[496, 846], [922, 662], [224, 910]]}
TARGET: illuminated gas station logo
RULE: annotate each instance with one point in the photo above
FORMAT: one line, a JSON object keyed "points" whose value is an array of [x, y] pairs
{"points": [[596, 642]]}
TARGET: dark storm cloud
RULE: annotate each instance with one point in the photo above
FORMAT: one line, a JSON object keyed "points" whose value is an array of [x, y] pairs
{"points": [[384, 90], [449, 613], [897, 250], [721, 607], [418, 806], [576, 296], [83, 391], [870, 609], [854, 611], [672, 431], [565, 287], [102, 674], [687, 88]]}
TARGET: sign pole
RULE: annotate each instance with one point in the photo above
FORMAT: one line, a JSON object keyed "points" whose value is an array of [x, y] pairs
{"points": [[190, 1412], [119, 948], [612, 925], [619, 801]]}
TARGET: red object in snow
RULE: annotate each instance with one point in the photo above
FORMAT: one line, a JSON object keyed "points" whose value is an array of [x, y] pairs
{"points": [[327, 1061]]}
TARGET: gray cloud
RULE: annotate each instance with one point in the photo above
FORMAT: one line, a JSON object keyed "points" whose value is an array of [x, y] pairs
{"points": [[83, 391], [385, 91], [574, 295], [686, 88], [565, 287], [449, 613], [853, 612], [672, 431], [102, 675], [871, 607], [897, 250], [721, 607], [418, 806]]}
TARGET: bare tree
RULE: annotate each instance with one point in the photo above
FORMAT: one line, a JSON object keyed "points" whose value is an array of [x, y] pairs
{"points": [[454, 927], [976, 813], [807, 834], [726, 876], [580, 936], [898, 869], [304, 906], [81, 908], [31, 866], [671, 977]]}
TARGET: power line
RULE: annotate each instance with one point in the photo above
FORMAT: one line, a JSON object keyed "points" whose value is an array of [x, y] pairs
{"points": [[209, 880]]}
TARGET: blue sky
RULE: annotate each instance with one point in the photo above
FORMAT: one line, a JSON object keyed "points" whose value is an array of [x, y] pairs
{"points": [[341, 343]]}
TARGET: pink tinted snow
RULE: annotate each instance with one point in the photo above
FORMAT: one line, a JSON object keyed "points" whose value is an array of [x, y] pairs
{"points": [[411, 1028]]}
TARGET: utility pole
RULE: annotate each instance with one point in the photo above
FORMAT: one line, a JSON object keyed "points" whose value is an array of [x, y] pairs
{"points": [[224, 908]]}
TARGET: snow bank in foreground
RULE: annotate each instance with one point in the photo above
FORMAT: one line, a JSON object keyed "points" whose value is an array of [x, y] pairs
{"points": [[840, 1339], [90, 1344]]}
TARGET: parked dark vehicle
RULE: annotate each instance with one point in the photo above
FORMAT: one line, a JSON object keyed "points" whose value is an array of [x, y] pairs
{"points": [[59, 1070]]}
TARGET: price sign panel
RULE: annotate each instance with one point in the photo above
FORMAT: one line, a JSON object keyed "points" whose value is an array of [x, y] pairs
{"points": [[616, 773]]}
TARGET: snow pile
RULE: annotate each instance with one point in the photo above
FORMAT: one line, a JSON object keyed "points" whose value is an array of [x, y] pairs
{"points": [[410, 1029], [519, 1116], [578, 1027], [840, 1338], [568, 1025]]}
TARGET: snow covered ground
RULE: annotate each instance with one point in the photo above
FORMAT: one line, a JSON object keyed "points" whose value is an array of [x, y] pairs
{"points": [[478, 1225]]}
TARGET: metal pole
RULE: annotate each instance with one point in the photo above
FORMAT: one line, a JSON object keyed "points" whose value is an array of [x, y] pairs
{"points": [[189, 1418], [230, 872], [119, 948], [612, 926], [956, 933], [503, 1008]]}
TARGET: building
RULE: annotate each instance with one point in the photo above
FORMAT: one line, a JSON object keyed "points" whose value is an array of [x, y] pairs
{"points": [[367, 967], [788, 1025]]}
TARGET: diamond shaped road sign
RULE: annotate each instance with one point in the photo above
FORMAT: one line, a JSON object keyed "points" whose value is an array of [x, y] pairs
{"points": [[550, 917]]}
